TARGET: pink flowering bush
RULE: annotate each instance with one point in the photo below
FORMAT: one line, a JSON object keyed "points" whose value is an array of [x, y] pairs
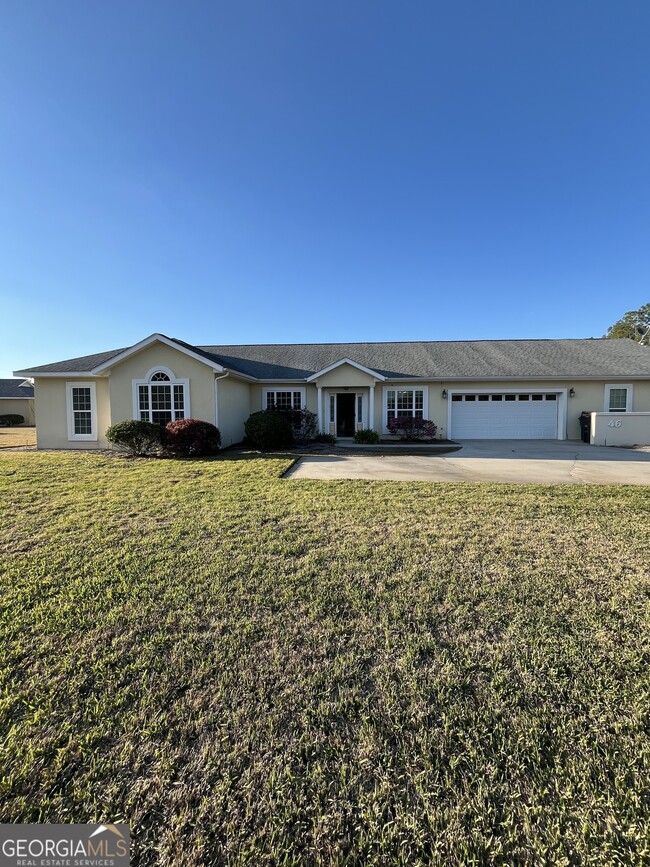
{"points": [[191, 437], [408, 428]]}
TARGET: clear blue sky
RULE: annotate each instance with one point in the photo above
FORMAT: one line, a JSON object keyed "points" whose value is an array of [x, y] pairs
{"points": [[233, 172]]}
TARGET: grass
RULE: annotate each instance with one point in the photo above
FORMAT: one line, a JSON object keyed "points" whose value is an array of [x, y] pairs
{"points": [[253, 671], [10, 437]]}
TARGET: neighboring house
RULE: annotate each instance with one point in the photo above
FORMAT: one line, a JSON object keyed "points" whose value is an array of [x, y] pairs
{"points": [[491, 389], [17, 398]]}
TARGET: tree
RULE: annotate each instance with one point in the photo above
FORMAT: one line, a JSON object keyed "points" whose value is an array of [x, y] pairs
{"points": [[635, 325]]}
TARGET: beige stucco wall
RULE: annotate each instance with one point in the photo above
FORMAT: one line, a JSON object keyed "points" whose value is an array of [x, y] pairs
{"points": [[201, 379], [52, 414], [345, 376], [620, 429], [234, 402], [18, 406]]}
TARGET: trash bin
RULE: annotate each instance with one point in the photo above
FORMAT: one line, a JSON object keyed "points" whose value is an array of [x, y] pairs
{"points": [[585, 426]]}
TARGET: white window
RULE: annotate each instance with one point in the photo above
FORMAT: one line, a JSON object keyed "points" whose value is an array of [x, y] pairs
{"points": [[618, 398], [82, 411], [405, 402], [283, 398], [160, 397]]}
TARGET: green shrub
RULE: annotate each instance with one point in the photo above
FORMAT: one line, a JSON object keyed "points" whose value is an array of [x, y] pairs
{"points": [[11, 419], [367, 436], [304, 423], [268, 431], [136, 437], [191, 437], [328, 438]]}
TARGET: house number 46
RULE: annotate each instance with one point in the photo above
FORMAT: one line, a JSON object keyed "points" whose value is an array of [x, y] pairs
{"points": [[616, 423]]}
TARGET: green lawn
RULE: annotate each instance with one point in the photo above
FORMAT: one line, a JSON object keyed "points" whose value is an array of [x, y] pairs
{"points": [[265, 672]]}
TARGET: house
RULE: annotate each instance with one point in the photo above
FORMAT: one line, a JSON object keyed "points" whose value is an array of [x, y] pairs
{"points": [[491, 389], [17, 398]]}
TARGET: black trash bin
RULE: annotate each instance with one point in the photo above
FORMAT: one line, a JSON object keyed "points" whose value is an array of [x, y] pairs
{"points": [[585, 426]]}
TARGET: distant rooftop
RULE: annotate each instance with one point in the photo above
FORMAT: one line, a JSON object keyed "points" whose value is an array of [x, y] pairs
{"points": [[16, 388]]}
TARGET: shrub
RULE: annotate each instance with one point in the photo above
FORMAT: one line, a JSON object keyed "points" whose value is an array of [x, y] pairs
{"points": [[408, 428], [11, 419], [136, 437], [191, 437], [367, 436], [328, 438], [268, 430], [304, 423]]}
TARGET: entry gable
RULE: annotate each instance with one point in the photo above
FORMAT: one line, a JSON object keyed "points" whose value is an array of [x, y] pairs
{"points": [[148, 341], [373, 373]]}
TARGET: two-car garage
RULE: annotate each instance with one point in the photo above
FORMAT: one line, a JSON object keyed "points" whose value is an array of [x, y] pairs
{"points": [[504, 415]]}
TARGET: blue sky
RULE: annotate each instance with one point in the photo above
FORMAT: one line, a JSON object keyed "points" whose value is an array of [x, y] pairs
{"points": [[233, 172]]}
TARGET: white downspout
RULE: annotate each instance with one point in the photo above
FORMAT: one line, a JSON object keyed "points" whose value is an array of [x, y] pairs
{"points": [[216, 397]]}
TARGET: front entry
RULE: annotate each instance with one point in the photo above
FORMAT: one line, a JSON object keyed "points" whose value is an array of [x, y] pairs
{"points": [[345, 415]]}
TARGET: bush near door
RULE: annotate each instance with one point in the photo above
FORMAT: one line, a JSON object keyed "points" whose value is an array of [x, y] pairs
{"points": [[412, 429]]}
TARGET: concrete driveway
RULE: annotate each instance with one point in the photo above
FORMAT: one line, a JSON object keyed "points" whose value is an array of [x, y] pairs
{"points": [[512, 461]]}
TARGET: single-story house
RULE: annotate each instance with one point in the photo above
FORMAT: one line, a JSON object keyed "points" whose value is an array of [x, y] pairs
{"points": [[489, 389], [17, 398]]}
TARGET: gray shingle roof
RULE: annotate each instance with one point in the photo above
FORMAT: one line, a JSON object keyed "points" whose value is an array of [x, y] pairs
{"points": [[15, 388], [444, 360], [83, 364]]}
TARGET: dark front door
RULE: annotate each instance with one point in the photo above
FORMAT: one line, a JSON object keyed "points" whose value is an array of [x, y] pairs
{"points": [[345, 415]]}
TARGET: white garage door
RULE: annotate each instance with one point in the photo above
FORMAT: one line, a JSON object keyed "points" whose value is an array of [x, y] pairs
{"points": [[504, 416]]}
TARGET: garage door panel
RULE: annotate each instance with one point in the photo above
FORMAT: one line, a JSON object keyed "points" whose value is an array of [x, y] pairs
{"points": [[501, 418]]}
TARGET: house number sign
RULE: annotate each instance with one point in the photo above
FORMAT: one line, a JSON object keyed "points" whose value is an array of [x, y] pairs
{"points": [[614, 423]]}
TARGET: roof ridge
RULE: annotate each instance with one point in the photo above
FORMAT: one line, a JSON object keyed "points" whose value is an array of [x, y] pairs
{"points": [[410, 342]]}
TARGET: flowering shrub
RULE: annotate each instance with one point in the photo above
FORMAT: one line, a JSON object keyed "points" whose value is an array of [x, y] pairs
{"points": [[408, 428], [191, 437]]}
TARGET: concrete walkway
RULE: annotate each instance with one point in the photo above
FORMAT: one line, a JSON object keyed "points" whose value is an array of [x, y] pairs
{"points": [[512, 461]]}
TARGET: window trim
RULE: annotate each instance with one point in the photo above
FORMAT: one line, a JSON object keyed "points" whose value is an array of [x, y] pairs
{"points": [[72, 436], [291, 388], [629, 404], [413, 388], [173, 380]]}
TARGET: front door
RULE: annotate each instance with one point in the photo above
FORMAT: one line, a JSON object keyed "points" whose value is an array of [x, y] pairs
{"points": [[345, 411]]}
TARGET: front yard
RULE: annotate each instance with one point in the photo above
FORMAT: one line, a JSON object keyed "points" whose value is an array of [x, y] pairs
{"points": [[257, 671], [11, 437]]}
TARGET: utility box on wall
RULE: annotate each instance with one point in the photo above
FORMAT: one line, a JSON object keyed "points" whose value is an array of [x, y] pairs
{"points": [[620, 429]]}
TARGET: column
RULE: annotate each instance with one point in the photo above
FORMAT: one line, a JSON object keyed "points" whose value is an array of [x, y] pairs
{"points": [[319, 412]]}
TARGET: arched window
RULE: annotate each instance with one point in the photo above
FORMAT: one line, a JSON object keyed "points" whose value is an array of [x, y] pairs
{"points": [[160, 397]]}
